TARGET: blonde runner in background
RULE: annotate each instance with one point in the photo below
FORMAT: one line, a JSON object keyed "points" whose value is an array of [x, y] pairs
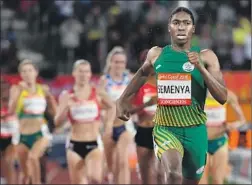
{"points": [[82, 105], [217, 126], [114, 81], [29, 101]]}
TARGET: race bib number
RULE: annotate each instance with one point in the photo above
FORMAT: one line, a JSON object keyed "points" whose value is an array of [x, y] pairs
{"points": [[85, 112], [215, 115], [174, 89], [116, 91], [34, 105]]}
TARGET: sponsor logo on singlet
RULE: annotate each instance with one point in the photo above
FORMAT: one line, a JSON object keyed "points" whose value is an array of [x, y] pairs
{"points": [[155, 146], [188, 67], [158, 66], [200, 170]]}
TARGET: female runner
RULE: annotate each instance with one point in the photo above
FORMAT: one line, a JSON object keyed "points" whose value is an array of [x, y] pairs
{"points": [[29, 100], [83, 105], [145, 107], [217, 138], [8, 134], [145, 102], [114, 81]]}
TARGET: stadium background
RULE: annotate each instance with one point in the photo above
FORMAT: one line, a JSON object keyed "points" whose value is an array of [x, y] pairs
{"points": [[56, 33]]}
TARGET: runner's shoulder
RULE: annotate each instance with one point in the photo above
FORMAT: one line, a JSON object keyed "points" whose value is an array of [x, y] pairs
{"points": [[154, 53], [208, 56], [207, 52], [156, 50]]}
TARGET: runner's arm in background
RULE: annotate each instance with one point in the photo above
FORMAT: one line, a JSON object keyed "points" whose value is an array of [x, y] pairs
{"points": [[109, 105], [13, 100], [62, 109], [233, 101], [51, 102]]}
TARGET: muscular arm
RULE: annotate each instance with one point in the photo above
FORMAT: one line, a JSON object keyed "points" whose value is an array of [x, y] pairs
{"points": [[61, 111], [213, 76], [52, 104], [141, 76], [233, 101]]}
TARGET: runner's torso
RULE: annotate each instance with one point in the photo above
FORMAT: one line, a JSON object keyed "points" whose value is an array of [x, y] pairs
{"points": [[30, 110], [181, 90], [84, 111], [84, 115], [216, 116], [115, 89]]}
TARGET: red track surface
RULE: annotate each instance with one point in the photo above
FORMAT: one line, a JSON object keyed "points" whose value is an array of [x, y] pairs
{"points": [[62, 176]]}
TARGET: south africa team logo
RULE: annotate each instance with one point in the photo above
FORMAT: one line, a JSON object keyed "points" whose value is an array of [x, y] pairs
{"points": [[188, 67]]}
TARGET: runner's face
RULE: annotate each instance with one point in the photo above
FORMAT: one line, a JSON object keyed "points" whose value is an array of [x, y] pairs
{"points": [[181, 27], [28, 73], [118, 63], [82, 74]]}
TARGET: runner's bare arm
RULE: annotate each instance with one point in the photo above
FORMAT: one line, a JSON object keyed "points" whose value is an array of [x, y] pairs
{"points": [[101, 88], [141, 76], [13, 100], [52, 104], [102, 83], [233, 101], [62, 109], [213, 76], [109, 105]]}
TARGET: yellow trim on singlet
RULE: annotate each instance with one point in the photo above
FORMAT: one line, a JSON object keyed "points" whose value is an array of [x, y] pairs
{"points": [[20, 103]]}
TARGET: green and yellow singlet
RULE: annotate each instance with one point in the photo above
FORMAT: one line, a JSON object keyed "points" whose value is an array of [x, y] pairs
{"points": [[181, 90]]}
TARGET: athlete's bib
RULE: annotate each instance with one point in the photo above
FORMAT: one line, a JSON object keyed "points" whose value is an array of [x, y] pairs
{"points": [[116, 91], [34, 105], [216, 115], [85, 111], [8, 126], [174, 89]]}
